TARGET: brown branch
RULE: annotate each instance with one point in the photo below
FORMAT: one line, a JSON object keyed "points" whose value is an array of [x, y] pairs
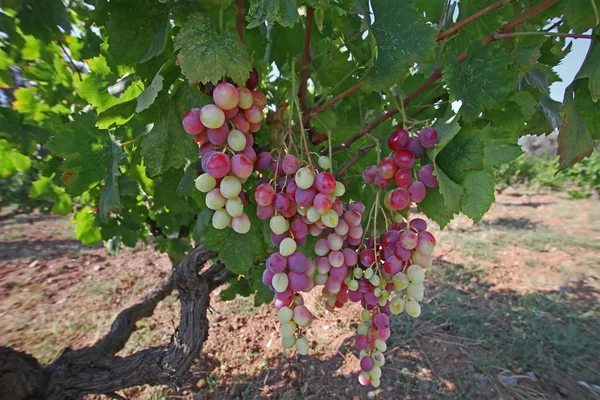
{"points": [[239, 18], [541, 33], [354, 160], [337, 98], [532, 12], [310, 14], [69, 57], [95, 370], [455, 28]]}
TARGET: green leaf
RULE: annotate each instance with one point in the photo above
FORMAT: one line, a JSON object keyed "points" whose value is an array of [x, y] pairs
{"points": [[495, 154], [95, 87], [45, 189], [591, 69], [574, 139], [479, 194], [525, 101], [403, 37], [42, 18], [206, 56], [452, 191], [11, 160], [435, 207], [87, 152], [589, 109], [117, 115], [177, 248], [237, 251], [202, 221], [109, 199], [283, 12], [579, 14], [146, 99], [167, 145], [136, 29], [87, 231], [462, 154], [28, 102], [484, 81]]}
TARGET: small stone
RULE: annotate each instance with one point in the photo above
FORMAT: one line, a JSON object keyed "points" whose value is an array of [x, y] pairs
{"points": [[508, 380], [562, 391], [532, 376], [348, 376], [563, 289], [201, 383], [371, 395], [97, 268]]}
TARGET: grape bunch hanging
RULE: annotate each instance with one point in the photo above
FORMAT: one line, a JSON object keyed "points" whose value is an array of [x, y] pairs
{"points": [[224, 131], [383, 272]]}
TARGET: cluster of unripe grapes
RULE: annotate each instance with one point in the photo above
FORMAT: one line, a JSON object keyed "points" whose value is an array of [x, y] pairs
{"points": [[389, 276], [401, 168], [224, 131]]}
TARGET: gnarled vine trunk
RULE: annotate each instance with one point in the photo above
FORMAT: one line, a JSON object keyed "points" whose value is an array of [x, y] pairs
{"points": [[98, 370]]}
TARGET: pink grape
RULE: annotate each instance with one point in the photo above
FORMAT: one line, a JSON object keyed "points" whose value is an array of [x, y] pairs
{"points": [[191, 122], [403, 177], [264, 194], [298, 281], [350, 257], [240, 122], [357, 206], [338, 273], [415, 146], [381, 321], [338, 207], [265, 212], [390, 238], [299, 228], [305, 197], [218, 136], [206, 148], [355, 232], [367, 257], [325, 182], [290, 164], [419, 224], [387, 168], [398, 139], [201, 138], [263, 161], [404, 158], [282, 202], [336, 258], [241, 166], [401, 253], [267, 277], [342, 227], [254, 127], [361, 342], [380, 182], [276, 263], [362, 380], [417, 191], [298, 262], [321, 248], [249, 152], [290, 211], [368, 174], [387, 253], [231, 113], [290, 189], [334, 242], [352, 218], [254, 114], [400, 199], [322, 203], [226, 96], [426, 176], [323, 265], [428, 137], [218, 165], [277, 239], [249, 139], [425, 245], [409, 240]]}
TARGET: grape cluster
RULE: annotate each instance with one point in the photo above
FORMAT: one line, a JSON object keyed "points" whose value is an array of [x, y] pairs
{"points": [[389, 277], [224, 131], [297, 201], [400, 167]]}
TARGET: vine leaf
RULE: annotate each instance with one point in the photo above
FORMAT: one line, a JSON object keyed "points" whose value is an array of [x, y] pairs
{"points": [[149, 94], [484, 81], [110, 192], [42, 18], [86, 231], [283, 12], [479, 194], [167, 145], [403, 37], [137, 30], [87, 153], [591, 69], [574, 139], [45, 189], [11, 160], [206, 56], [579, 14]]}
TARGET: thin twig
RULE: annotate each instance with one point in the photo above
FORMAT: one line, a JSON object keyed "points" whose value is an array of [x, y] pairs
{"points": [[239, 18], [541, 33], [337, 98], [455, 28], [127, 142], [69, 57], [354, 160], [520, 20]]}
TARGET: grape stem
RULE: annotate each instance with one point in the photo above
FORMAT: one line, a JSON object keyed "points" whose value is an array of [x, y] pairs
{"points": [[328, 142], [127, 142]]}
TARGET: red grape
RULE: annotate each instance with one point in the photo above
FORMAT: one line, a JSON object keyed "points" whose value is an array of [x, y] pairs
{"points": [[387, 168], [417, 192], [290, 164], [325, 182], [403, 178], [226, 96], [380, 182], [241, 166], [368, 174], [428, 137], [400, 199], [218, 136], [426, 176], [218, 165], [398, 139], [415, 146], [264, 194], [404, 158], [322, 203], [191, 122], [263, 161], [252, 81]]}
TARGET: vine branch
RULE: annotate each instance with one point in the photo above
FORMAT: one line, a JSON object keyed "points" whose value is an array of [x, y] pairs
{"points": [[239, 18], [540, 33], [310, 14], [455, 28], [532, 12]]}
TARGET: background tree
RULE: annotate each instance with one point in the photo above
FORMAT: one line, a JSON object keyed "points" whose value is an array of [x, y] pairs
{"points": [[94, 93]]}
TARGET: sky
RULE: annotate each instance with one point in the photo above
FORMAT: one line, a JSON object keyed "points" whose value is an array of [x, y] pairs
{"points": [[569, 67]]}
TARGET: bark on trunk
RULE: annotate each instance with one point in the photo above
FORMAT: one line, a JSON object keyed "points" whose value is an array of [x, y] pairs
{"points": [[98, 370]]}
